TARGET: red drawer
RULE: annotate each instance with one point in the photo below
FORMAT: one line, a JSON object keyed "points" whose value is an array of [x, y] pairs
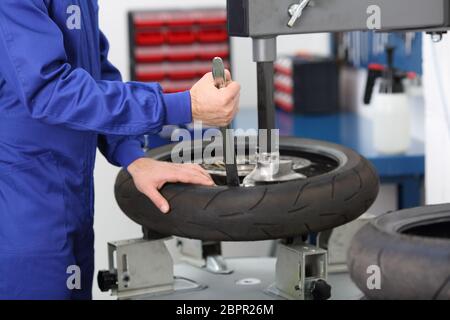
{"points": [[282, 69], [186, 22], [218, 21], [150, 38], [150, 77], [181, 53], [283, 66], [214, 17], [182, 74], [283, 88], [142, 55], [285, 106], [212, 35], [180, 37], [284, 84], [149, 20], [284, 101], [179, 56], [212, 54], [181, 19], [150, 73], [149, 59], [142, 24], [210, 51]]}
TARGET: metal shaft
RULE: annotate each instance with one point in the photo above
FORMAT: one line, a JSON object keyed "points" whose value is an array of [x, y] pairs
{"points": [[229, 154], [266, 104]]}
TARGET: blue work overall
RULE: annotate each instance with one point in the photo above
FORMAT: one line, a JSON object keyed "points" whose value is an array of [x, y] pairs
{"points": [[60, 99]]}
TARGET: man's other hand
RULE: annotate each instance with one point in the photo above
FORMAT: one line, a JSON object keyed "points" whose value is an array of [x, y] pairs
{"points": [[150, 176], [212, 106]]}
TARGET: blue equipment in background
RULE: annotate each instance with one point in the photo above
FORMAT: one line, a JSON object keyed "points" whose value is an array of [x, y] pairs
{"points": [[360, 49]]}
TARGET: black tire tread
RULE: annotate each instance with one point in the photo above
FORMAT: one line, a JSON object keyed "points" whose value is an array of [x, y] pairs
{"points": [[412, 267], [260, 213]]}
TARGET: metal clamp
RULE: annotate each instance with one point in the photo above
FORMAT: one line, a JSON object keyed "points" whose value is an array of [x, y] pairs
{"points": [[301, 273], [141, 268]]}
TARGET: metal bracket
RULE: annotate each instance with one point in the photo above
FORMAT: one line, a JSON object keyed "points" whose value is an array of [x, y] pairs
{"points": [[203, 254], [141, 268], [301, 273]]}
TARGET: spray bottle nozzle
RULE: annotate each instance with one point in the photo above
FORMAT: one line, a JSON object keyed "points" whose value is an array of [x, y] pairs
{"points": [[392, 79]]}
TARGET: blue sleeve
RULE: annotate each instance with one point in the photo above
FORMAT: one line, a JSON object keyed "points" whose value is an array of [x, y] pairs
{"points": [[34, 63], [120, 151]]}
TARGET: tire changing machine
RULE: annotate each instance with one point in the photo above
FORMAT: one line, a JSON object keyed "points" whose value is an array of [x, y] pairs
{"points": [[143, 268]]}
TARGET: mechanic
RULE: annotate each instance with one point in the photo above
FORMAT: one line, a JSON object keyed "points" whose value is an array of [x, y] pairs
{"points": [[60, 99]]}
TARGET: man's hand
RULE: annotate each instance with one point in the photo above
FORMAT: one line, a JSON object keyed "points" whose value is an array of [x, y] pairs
{"points": [[215, 107], [150, 176]]}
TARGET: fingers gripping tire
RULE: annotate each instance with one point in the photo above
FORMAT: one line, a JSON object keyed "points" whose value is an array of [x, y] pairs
{"points": [[411, 248], [263, 212]]}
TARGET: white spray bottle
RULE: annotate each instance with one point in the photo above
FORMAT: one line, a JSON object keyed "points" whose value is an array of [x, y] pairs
{"points": [[392, 118]]}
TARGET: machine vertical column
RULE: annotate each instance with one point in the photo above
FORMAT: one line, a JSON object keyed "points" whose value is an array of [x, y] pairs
{"points": [[266, 105], [264, 54]]}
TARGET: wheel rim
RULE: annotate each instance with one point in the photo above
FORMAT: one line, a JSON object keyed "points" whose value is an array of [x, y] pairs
{"points": [[308, 163]]}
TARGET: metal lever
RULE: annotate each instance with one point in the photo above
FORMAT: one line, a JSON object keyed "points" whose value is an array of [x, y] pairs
{"points": [[220, 81], [218, 72], [296, 11]]}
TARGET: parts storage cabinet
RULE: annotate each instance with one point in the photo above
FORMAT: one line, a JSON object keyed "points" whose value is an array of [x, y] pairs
{"points": [[175, 47]]}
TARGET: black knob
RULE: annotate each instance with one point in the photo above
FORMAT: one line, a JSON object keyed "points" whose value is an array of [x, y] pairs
{"points": [[106, 280], [321, 290]]}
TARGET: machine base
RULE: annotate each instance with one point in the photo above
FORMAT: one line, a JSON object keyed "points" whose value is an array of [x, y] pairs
{"points": [[180, 285], [260, 273]]}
